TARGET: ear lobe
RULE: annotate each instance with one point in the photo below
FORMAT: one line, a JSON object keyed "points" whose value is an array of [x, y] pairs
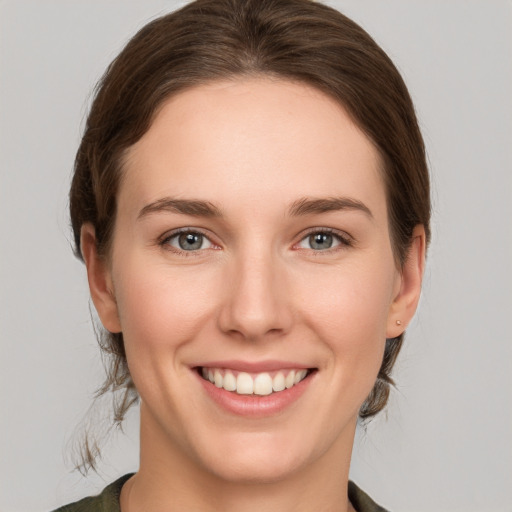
{"points": [[406, 300], [100, 280]]}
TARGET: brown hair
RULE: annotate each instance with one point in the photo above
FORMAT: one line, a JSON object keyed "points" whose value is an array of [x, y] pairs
{"points": [[207, 40]]}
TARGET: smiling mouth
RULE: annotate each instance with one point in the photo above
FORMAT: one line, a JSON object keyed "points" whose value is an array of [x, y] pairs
{"points": [[260, 384]]}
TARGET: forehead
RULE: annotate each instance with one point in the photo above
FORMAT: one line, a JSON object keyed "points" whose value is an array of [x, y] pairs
{"points": [[248, 139]]}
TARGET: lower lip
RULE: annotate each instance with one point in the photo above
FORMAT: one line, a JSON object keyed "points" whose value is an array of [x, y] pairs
{"points": [[254, 405]]}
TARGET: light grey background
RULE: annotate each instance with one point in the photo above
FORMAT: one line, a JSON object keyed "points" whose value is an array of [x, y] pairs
{"points": [[445, 443]]}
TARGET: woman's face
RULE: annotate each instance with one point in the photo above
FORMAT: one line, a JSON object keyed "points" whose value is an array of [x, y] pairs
{"points": [[251, 247]]}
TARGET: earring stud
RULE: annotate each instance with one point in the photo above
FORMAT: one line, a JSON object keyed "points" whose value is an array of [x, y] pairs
{"points": [[398, 322]]}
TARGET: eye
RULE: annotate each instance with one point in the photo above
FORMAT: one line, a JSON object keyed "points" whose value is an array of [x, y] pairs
{"points": [[323, 240], [188, 241]]}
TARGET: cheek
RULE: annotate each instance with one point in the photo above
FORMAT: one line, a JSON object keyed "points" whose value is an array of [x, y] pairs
{"points": [[348, 309], [159, 307]]}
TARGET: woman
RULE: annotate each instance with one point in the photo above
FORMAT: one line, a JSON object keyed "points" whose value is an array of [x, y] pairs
{"points": [[251, 201]]}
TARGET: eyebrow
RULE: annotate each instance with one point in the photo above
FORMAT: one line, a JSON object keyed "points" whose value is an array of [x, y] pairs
{"points": [[307, 206], [193, 207], [302, 206]]}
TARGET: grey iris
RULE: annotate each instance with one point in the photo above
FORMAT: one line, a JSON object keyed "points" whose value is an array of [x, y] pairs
{"points": [[320, 241], [190, 241]]}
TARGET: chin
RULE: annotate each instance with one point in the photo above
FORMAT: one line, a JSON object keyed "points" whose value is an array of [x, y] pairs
{"points": [[256, 468], [257, 457]]}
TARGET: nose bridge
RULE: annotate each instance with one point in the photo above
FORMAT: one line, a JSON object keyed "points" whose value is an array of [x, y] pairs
{"points": [[257, 303]]}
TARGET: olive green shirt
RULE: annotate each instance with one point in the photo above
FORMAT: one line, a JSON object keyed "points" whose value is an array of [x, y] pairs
{"points": [[108, 500]]}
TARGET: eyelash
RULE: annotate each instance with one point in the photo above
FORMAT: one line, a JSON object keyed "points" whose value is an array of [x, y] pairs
{"points": [[164, 241], [344, 240]]}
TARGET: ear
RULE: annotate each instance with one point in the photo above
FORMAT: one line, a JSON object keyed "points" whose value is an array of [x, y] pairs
{"points": [[408, 288], [100, 280]]}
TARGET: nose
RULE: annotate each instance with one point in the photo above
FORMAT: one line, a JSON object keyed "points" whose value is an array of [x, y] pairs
{"points": [[258, 303]]}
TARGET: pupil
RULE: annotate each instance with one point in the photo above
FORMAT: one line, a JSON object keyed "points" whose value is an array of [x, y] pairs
{"points": [[320, 241], [190, 241]]}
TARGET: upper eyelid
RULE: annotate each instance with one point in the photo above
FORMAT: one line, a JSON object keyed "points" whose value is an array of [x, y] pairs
{"points": [[342, 235], [332, 231], [345, 241], [164, 242], [165, 239], [178, 231]]}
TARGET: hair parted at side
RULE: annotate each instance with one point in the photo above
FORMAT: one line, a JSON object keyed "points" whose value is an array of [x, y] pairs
{"points": [[210, 40]]}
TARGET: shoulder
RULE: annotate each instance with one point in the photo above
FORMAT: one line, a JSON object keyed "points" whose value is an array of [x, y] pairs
{"points": [[361, 501], [107, 501]]}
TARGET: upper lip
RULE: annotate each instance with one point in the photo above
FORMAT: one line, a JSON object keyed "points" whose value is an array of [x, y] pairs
{"points": [[253, 366]]}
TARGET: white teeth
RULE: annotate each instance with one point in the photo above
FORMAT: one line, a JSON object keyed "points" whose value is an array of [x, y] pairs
{"points": [[290, 380], [229, 382], [244, 384], [278, 382], [218, 378], [261, 384], [299, 376]]}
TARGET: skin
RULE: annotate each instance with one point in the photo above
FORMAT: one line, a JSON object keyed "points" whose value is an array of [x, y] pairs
{"points": [[255, 291]]}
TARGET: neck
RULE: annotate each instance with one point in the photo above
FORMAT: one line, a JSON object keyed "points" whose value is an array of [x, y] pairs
{"points": [[167, 475]]}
